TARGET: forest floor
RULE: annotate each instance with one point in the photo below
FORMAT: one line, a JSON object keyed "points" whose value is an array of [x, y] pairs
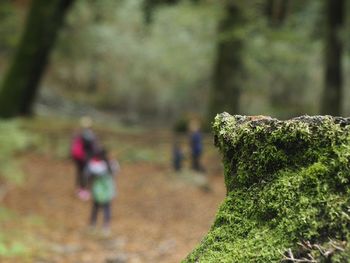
{"points": [[158, 215]]}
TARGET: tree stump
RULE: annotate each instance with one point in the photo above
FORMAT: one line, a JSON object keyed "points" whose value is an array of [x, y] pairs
{"points": [[288, 191]]}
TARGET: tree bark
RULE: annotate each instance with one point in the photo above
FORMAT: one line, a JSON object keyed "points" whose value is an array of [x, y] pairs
{"points": [[228, 72], [333, 79], [21, 82]]}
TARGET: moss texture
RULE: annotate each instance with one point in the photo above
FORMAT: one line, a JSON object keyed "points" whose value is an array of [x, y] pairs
{"points": [[288, 191]]}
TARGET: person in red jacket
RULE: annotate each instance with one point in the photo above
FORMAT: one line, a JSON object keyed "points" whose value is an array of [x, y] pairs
{"points": [[83, 146]]}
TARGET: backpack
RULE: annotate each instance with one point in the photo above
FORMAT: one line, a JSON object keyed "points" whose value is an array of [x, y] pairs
{"points": [[103, 189], [77, 149]]}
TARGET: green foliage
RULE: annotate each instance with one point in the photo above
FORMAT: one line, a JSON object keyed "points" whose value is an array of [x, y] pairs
{"points": [[281, 62], [169, 64], [142, 154], [287, 182], [166, 65], [10, 26], [13, 244], [13, 140], [16, 248]]}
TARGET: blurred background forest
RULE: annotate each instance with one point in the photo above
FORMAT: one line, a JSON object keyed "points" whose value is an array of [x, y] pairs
{"points": [[160, 60], [141, 68]]}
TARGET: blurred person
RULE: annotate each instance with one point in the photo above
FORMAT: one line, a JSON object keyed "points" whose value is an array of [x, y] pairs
{"points": [[196, 145], [100, 170], [178, 155], [83, 146]]}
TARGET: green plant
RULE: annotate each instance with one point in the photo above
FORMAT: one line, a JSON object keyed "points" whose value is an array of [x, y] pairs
{"points": [[13, 139]]}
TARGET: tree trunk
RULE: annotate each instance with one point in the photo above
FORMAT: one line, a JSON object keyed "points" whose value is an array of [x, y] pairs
{"points": [[333, 80], [22, 79], [276, 11], [228, 72]]}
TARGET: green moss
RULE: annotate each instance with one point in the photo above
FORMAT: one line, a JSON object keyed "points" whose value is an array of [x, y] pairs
{"points": [[287, 182]]}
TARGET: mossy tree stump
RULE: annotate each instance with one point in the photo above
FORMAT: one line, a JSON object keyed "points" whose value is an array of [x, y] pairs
{"points": [[288, 191]]}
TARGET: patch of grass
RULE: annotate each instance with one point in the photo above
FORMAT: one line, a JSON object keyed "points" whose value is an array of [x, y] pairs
{"points": [[13, 141], [16, 240], [134, 155]]}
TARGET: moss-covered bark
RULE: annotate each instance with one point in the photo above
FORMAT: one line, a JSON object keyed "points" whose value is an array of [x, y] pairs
{"points": [[21, 82], [287, 182]]}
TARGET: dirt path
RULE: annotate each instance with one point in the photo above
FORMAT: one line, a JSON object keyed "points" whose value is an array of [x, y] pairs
{"points": [[157, 217]]}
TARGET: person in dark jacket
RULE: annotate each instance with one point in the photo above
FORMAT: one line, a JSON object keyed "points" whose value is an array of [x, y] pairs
{"points": [[178, 155], [196, 145]]}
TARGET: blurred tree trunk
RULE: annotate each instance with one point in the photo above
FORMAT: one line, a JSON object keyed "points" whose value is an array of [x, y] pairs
{"points": [[228, 72], [281, 97], [95, 58], [333, 80], [22, 79], [277, 11]]}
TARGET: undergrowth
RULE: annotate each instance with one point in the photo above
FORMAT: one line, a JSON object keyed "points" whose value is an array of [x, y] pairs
{"points": [[16, 245], [13, 140]]}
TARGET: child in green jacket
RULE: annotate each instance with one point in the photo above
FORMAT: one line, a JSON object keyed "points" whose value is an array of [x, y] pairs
{"points": [[100, 172]]}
